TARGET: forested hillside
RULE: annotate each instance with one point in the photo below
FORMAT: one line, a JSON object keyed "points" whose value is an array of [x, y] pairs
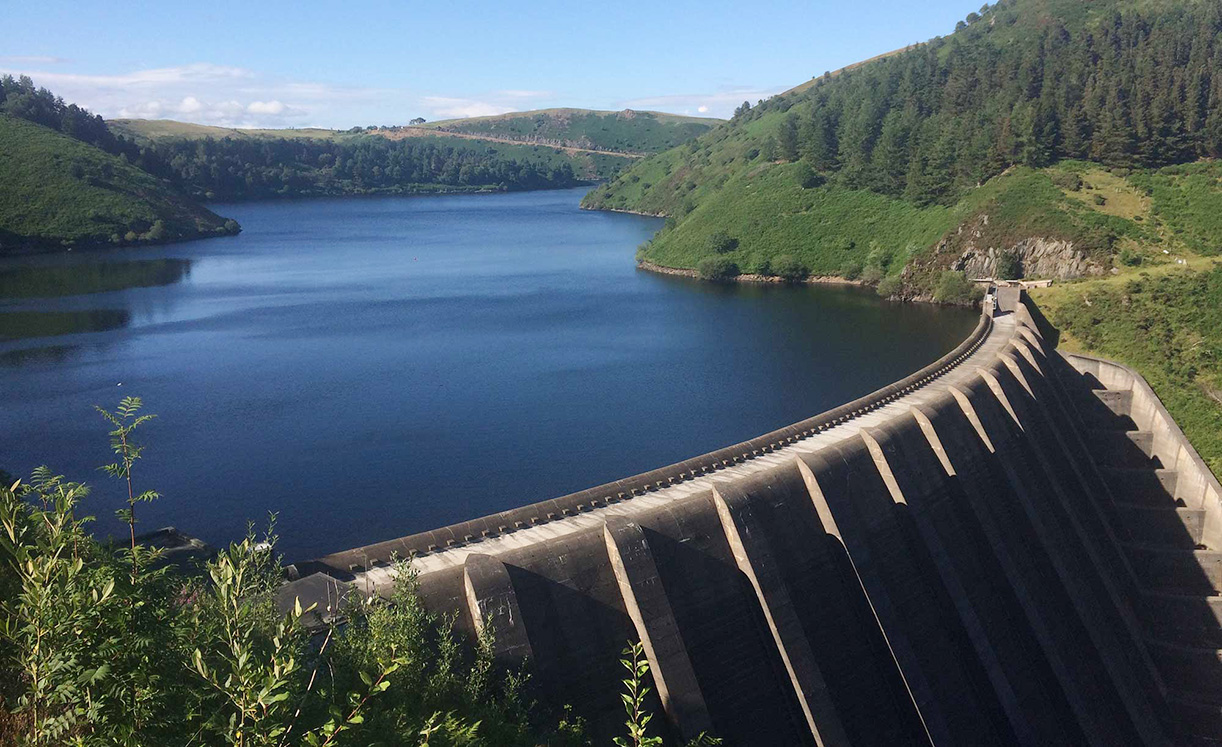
{"points": [[241, 168], [911, 144]]}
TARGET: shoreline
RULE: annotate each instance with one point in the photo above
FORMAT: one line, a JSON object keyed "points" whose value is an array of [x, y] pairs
{"points": [[622, 210], [647, 266]]}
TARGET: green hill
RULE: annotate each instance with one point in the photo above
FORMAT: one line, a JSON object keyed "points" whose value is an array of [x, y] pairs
{"points": [[954, 153], [148, 130], [595, 145], [627, 131], [58, 191], [250, 167]]}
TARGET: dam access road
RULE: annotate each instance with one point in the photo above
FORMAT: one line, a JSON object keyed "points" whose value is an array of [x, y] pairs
{"points": [[1009, 546]]}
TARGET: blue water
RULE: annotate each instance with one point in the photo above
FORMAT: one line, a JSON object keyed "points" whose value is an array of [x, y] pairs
{"points": [[369, 368]]}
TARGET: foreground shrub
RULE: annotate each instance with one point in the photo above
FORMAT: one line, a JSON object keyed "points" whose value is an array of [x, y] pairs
{"points": [[105, 644]]}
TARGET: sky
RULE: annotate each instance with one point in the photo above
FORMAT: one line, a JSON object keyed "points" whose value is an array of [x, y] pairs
{"points": [[267, 63]]}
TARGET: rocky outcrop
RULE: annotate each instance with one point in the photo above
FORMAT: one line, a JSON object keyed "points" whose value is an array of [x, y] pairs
{"points": [[980, 251], [1037, 256]]}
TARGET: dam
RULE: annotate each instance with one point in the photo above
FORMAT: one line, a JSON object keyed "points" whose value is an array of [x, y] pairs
{"points": [[1011, 546]]}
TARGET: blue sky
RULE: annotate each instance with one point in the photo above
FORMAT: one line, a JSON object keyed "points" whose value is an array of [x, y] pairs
{"points": [[337, 64]]}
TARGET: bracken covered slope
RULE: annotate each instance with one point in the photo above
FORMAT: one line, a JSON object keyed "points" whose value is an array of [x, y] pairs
{"points": [[58, 191]]}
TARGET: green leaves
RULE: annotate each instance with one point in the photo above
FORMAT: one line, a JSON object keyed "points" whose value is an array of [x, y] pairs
{"points": [[104, 649], [633, 697], [126, 420]]}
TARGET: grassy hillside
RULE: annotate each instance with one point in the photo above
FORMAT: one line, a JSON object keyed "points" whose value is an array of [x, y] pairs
{"points": [[147, 130], [58, 191], [1162, 321], [905, 155], [774, 211], [1158, 310], [628, 131]]}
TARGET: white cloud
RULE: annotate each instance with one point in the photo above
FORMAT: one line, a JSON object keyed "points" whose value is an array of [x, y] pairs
{"points": [[229, 96], [144, 110], [265, 107], [453, 108], [198, 73], [207, 93], [30, 59], [719, 103]]}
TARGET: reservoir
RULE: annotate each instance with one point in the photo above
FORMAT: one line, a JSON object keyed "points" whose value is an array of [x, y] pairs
{"points": [[370, 368]]}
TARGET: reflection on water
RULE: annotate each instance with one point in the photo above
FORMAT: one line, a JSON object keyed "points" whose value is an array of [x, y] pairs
{"points": [[18, 325], [43, 281], [38, 356]]}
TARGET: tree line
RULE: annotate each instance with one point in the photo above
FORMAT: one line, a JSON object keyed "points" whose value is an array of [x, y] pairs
{"points": [[1018, 83], [253, 168], [19, 97]]}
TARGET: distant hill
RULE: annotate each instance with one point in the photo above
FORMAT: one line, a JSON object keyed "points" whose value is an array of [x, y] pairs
{"points": [[148, 130], [256, 167], [596, 144], [628, 131], [61, 192], [951, 154]]}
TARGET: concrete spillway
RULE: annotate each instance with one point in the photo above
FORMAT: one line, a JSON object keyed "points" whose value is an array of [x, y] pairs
{"points": [[1004, 548]]}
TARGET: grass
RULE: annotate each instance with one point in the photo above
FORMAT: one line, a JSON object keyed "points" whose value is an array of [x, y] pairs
{"points": [[772, 215], [1188, 201], [60, 192], [1120, 198]]}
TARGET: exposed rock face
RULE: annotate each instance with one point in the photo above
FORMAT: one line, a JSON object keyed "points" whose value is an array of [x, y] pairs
{"points": [[1038, 257]]}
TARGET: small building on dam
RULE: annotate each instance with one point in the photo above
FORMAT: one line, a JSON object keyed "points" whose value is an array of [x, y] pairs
{"points": [[1012, 546]]}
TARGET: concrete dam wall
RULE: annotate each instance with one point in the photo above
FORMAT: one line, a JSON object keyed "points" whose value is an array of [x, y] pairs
{"points": [[1010, 546]]}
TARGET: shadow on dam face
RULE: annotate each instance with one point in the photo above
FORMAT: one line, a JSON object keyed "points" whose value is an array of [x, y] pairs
{"points": [[1012, 547], [735, 660], [573, 619]]}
